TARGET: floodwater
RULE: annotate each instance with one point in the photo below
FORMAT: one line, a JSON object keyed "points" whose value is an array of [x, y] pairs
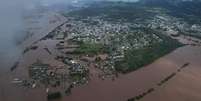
{"points": [[41, 26], [135, 83], [183, 87]]}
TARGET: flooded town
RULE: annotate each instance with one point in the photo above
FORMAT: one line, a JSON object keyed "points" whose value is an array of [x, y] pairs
{"points": [[104, 51]]}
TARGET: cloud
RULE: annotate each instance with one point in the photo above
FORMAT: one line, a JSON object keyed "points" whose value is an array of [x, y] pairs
{"points": [[50, 2], [11, 19], [11, 25]]}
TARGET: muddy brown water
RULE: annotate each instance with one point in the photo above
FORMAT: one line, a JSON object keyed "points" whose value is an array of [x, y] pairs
{"points": [[184, 87], [124, 87], [132, 84], [13, 92]]}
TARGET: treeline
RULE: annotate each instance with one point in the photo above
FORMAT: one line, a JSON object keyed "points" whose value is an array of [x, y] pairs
{"points": [[140, 96], [166, 79]]}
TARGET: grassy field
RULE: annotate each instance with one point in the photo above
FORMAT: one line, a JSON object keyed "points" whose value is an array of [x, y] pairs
{"points": [[90, 48]]}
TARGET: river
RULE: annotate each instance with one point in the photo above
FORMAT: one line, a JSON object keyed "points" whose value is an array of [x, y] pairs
{"points": [[184, 87], [40, 27]]}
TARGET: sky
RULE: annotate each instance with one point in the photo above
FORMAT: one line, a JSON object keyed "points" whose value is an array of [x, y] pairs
{"points": [[50, 2]]}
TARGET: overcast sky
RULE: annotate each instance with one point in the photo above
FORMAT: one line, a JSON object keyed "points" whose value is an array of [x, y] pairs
{"points": [[49, 2]]}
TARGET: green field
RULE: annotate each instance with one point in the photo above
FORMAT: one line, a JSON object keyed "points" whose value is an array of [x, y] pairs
{"points": [[90, 48]]}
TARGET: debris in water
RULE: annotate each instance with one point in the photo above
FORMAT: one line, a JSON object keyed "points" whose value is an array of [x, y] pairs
{"points": [[14, 66], [48, 51]]}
